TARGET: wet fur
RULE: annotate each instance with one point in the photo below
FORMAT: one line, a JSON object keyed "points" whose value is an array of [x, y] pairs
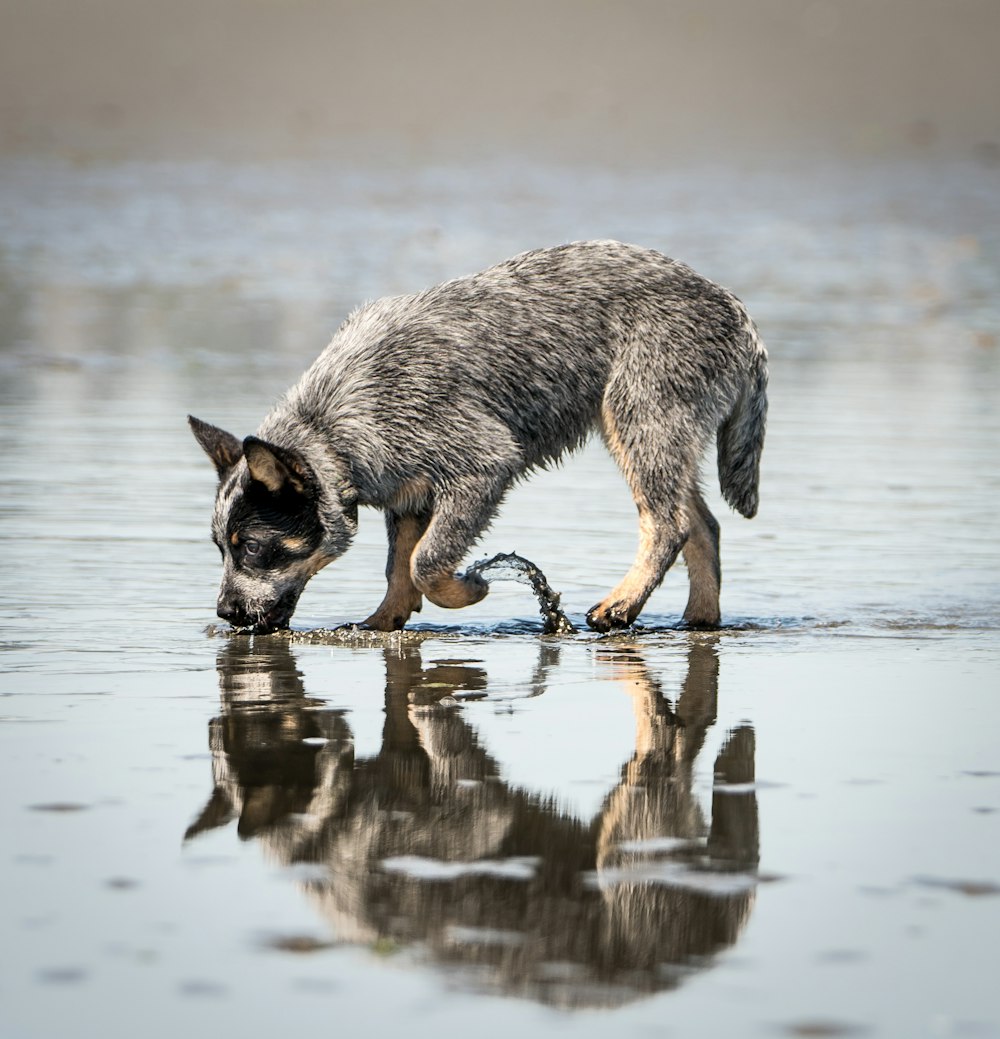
{"points": [[431, 406]]}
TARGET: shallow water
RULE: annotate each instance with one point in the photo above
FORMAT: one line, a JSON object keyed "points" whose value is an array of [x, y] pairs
{"points": [[790, 826]]}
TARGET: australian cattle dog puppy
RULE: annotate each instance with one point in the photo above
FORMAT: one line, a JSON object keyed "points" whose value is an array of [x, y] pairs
{"points": [[431, 406]]}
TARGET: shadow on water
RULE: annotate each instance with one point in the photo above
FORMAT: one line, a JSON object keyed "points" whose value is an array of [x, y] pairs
{"points": [[425, 845]]}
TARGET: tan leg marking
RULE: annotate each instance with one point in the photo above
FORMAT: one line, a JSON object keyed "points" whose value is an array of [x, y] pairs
{"points": [[701, 554], [621, 607], [401, 598]]}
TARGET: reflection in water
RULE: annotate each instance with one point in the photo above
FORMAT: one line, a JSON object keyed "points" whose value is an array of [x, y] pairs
{"points": [[425, 843]]}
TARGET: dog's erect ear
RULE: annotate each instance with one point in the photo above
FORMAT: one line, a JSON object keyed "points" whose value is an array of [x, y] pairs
{"points": [[222, 447], [278, 468]]}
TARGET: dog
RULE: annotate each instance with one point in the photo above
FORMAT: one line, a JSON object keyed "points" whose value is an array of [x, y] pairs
{"points": [[430, 406]]}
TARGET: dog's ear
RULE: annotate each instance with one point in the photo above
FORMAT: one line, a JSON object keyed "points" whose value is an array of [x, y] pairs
{"points": [[278, 468], [222, 447]]}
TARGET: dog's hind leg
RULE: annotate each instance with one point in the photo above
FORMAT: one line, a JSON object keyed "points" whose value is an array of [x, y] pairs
{"points": [[701, 554], [460, 516], [661, 537], [659, 469], [402, 598]]}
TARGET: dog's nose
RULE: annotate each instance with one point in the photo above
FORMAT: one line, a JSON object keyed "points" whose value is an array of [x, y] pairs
{"points": [[229, 611]]}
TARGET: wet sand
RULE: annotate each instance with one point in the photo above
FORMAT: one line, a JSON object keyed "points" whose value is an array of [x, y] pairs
{"points": [[786, 827]]}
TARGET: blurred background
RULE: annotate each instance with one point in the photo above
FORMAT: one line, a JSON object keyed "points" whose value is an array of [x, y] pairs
{"points": [[663, 81]]}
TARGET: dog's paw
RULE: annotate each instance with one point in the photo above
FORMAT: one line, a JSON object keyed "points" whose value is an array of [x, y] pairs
{"points": [[477, 587], [380, 621], [456, 590], [702, 623], [702, 613], [606, 616], [393, 611]]}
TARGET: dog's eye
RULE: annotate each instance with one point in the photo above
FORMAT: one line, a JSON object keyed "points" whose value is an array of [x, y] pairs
{"points": [[251, 547]]}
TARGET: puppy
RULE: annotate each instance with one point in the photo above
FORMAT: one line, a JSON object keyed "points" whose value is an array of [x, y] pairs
{"points": [[431, 406]]}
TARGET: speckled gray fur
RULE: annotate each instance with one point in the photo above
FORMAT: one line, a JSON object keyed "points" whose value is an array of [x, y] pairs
{"points": [[430, 406]]}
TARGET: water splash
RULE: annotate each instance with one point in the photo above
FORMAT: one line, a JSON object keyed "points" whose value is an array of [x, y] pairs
{"points": [[509, 566]]}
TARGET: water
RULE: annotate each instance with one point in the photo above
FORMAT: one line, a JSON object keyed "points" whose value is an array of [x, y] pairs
{"points": [[509, 566], [790, 826]]}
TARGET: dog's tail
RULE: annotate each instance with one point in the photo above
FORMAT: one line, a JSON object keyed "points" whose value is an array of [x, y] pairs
{"points": [[741, 436]]}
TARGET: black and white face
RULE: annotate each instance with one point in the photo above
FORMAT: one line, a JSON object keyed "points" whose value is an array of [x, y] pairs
{"points": [[267, 527], [271, 545]]}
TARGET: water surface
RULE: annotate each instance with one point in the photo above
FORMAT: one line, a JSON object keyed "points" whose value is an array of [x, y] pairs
{"points": [[790, 826]]}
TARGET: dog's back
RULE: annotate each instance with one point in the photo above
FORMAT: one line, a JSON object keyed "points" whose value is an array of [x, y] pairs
{"points": [[513, 365]]}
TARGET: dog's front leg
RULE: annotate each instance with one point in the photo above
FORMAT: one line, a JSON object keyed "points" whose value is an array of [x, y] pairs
{"points": [[459, 517], [402, 598]]}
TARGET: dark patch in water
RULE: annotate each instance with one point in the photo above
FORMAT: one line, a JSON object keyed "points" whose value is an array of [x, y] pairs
{"points": [[320, 986], [197, 987], [62, 975], [121, 883], [58, 806], [297, 943], [824, 1028], [34, 860], [969, 888], [837, 956]]}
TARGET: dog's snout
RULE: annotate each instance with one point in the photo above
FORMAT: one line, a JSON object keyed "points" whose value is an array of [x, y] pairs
{"points": [[263, 619], [229, 611]]}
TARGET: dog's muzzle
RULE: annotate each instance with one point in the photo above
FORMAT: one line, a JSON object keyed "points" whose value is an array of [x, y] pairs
{"points": [[260, 622]]}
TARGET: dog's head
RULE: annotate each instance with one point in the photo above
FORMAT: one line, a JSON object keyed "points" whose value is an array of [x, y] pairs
{"points": [[274, 523]]}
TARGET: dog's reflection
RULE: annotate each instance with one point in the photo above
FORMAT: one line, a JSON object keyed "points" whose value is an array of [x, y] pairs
{"points": [[425, 843]]}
